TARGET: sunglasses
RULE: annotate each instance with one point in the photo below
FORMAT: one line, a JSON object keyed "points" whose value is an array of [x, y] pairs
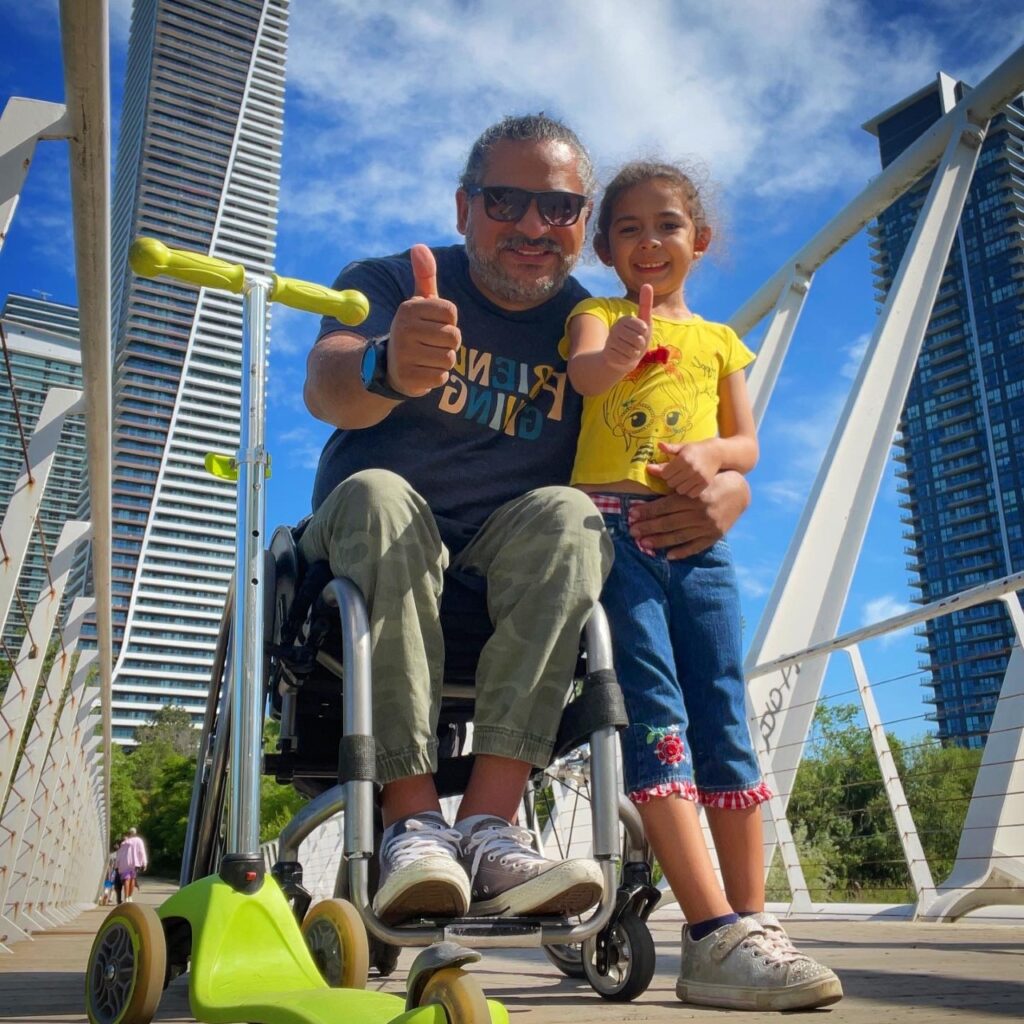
{"points": [[507, 203]]}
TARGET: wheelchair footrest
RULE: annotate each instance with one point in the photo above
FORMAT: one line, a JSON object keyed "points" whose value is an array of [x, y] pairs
{"points": [[511, 932]]}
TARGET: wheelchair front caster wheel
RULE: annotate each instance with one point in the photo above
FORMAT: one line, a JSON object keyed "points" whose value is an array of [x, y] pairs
{"points": [[459, 994], [630, 960], [124, 978], [336, 938]]}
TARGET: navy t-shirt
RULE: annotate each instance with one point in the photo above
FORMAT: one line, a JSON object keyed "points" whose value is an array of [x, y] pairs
{"points": [[506, 422]]}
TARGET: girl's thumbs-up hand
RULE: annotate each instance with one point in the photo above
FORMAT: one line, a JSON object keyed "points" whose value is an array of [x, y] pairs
{"points": [[424, 332], [630, 335]]}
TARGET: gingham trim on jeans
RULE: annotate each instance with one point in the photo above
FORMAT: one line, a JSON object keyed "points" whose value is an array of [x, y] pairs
{"points": [[732, 800]]}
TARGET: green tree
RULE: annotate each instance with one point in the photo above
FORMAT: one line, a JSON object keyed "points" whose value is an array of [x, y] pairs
{"points": [[278, 803], [842, 822], [169, 734], [938, 782], [125, 803], [165, 817]]}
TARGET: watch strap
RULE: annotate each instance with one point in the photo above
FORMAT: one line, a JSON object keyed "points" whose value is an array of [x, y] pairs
{"points": [[378, 382]]}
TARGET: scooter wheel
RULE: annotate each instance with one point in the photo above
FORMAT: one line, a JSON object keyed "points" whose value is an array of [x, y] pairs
{"points": [[335, 935], [127, 966], [459, 994]]}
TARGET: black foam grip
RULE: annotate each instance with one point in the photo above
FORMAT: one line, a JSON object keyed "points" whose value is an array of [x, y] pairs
{"points": [[599, 706], [357, 759]]}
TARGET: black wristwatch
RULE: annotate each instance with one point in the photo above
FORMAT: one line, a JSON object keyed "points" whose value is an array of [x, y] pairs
{"points": [[373, 371]]}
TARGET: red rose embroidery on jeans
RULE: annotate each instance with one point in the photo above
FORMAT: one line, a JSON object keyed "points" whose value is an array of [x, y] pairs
{"points": [[670, 749]]}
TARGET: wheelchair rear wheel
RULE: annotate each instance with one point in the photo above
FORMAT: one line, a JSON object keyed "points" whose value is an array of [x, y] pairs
{"points": [[568, 958]]}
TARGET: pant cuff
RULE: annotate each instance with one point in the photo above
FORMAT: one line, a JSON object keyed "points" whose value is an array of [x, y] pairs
{"points": [[737, 799], [400, 764], [687, 790], [535, 750]]}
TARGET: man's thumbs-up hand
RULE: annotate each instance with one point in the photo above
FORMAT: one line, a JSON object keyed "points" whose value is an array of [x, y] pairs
{"points": [[630, 335], [424, 272], [424, 332]]}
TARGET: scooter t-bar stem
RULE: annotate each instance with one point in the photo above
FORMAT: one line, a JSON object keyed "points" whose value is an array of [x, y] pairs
{"points": [[151, 258]]}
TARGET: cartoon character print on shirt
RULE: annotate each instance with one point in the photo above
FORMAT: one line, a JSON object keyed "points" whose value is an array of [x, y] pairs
{"points": [[654, 402]]}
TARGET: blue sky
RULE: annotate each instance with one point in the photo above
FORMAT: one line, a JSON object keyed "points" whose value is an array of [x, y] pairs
{"points": [[764, 99]]}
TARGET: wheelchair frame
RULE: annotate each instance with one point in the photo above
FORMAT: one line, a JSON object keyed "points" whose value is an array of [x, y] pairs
{"points": [[354, 797]]}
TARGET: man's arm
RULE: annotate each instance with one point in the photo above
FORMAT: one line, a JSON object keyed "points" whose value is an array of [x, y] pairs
{"points": [[423, 339], [333, 391], [688, 525]]}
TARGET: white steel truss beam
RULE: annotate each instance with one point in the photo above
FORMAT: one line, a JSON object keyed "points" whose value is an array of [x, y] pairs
{"points": [[21, 826], [24, 681], [22, 124], [989, 868], [917, 863], [775, 342], [20, 517], [810, 592], [63, 756]]}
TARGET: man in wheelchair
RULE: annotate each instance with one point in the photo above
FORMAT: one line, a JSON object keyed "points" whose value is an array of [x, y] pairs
{"points": [[456, 429]]}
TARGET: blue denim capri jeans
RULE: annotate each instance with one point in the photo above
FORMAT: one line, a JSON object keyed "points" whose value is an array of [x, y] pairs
{"points": [[676, 637]]}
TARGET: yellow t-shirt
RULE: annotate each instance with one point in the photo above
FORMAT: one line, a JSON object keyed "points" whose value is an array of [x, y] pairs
{"points": [[671, 396]]}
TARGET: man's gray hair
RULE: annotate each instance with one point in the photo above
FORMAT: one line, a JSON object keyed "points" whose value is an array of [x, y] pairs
{"points": [[527, 128]]}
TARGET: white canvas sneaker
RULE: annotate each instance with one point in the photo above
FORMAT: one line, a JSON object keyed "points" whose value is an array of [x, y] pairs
{"points": [[740, 967], [420, 874]]}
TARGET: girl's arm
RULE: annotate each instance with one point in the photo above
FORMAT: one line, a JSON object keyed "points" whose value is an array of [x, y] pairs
{"points": [[598, 357], [737, 435], [589, 372], [693, 466]]}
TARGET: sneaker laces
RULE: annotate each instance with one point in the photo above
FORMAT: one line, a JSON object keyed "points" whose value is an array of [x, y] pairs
{"points": [[755, 936], [420, 840], [778, 939], [509, 845]]}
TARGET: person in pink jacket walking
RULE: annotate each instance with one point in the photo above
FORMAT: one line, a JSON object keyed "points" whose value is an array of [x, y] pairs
{"points": [[130, 860]]}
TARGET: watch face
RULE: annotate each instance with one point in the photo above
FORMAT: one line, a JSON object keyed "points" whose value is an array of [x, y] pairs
{"points": [[368, 365]]}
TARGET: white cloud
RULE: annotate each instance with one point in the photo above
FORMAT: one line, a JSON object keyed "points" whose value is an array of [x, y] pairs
{"points": [[770, 96], [299, 448], [796, 442], [291, 331], [854, 353], [754, 581], [879, 609]]}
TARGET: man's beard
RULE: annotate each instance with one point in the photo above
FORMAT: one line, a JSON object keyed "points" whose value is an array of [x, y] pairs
{"points": [[489, 271]]}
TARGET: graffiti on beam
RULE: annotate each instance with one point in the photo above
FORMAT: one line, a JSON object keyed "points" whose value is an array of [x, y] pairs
{"points": [[775, 703]]}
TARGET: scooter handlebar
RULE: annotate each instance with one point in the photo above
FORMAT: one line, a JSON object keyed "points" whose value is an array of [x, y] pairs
{"points": [[350, 307], [151, 258]]}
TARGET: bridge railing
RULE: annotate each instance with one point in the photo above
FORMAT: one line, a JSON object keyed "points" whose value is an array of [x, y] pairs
{"points": [[55, 737]]}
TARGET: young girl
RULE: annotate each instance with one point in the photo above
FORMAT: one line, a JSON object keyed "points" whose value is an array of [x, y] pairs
{"points": [[666, 408]]}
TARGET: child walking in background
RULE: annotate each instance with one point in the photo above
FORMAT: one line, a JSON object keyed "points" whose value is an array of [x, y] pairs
{"points": [[665, 409]]}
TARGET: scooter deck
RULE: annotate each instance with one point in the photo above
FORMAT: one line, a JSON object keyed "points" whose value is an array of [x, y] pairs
{"points": [[250, 965]]}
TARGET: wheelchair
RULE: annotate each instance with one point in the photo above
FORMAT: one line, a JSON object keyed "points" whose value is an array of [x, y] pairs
{"points": [[317, 683]]}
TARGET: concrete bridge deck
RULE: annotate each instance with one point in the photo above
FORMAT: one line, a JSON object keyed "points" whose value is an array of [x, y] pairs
{"points": [[892, 972]]}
